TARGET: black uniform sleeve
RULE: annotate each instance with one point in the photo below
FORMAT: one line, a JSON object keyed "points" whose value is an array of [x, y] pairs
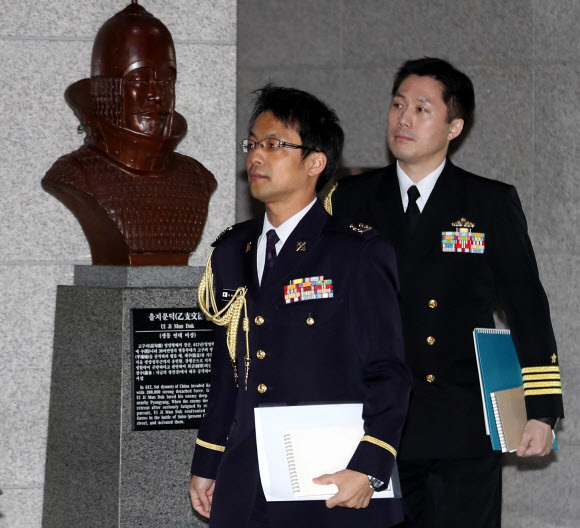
{"points": [[374, 312], [524, 301], [213, 432]]}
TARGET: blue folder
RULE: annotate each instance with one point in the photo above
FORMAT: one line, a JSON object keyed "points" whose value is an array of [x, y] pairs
{"points": [[499, 369]]}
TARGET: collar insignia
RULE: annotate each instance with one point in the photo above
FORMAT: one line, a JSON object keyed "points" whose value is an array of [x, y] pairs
{"points": [[248, 247], [300, 246]]}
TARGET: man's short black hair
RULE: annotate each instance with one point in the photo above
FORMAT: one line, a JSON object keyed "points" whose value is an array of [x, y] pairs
{"points": [[458, 92], [317, 123]]}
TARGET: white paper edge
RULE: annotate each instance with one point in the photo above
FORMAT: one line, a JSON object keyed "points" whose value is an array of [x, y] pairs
{"points": [[475, 330]]}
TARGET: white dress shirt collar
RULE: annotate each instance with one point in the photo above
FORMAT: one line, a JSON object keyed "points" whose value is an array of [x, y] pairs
{"points": [[425, 186], [283, 231]]}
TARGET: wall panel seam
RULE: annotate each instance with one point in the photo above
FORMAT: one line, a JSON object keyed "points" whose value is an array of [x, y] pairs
{"points": [[92, 38]]}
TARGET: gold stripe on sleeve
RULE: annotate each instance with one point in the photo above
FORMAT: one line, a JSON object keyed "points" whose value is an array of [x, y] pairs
{"points": [[541, 392], [539, 377], [539, 370], [380, 443], [542, 384], [207, 445]]}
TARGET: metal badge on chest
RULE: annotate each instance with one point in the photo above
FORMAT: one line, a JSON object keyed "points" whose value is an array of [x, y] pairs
{"points": [[463, 239]]}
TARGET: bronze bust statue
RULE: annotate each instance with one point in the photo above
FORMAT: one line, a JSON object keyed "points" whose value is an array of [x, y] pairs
{"points": [[138, 202]]}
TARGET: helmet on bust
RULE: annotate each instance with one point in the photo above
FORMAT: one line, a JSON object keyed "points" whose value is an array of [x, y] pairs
{"points": [[131, 39]]}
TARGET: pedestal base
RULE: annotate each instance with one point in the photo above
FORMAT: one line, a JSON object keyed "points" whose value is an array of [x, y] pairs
{"points": [[99, 472]]}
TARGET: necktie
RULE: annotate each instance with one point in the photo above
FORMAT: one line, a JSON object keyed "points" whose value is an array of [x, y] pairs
{"points": [[413, 212], [271, 240]]}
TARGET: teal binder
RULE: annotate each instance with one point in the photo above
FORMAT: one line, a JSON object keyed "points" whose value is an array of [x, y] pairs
{"points": [[499, 369]]}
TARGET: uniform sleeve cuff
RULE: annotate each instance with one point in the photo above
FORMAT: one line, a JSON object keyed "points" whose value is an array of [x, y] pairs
{"points": [[206, 459], [550, 421]]}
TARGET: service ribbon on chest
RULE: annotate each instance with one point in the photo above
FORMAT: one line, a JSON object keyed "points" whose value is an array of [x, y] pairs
{"points": [[308, 289], [463, 239]]}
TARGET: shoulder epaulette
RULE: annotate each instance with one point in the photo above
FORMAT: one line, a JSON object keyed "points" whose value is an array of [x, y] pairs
{"points": [[223, 234], [237, 230]]}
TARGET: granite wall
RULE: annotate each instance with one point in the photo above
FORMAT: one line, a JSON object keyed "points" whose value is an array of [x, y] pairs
{"points": [[524, 59], [44, 47]]}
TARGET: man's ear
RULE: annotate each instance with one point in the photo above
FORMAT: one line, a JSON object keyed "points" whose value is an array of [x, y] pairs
{"points": [[455, 128], [316, 163]]}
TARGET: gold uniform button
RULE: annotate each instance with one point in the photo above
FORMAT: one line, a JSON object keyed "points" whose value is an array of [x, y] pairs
{"points": [[310, 321], [262, 388], [260, 354], [430, 378], [430, 340], [259, 320], [432, 303]]}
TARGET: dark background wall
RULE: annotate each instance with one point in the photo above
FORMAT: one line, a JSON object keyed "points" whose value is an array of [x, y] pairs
{"points": [[524, 59]]}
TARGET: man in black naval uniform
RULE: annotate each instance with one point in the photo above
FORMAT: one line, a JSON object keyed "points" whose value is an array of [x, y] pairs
{"points": [[344, 347], [450, 477]]}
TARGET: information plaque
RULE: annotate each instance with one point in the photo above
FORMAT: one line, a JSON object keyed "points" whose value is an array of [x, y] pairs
{"points": [[172, 350]]}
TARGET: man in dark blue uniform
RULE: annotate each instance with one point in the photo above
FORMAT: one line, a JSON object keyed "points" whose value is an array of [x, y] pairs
{"points": [[344, 346], [450, 477]]}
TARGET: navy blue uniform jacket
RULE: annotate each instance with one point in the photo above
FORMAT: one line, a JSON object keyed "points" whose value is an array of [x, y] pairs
{"points": [[444, 296], [352, 351]]}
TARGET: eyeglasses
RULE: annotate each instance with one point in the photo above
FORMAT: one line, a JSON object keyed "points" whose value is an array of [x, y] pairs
{"points": [[270, 144]]}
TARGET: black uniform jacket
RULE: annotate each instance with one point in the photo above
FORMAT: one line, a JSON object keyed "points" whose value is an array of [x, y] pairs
{"points": [[445, 295], [347, 348]]}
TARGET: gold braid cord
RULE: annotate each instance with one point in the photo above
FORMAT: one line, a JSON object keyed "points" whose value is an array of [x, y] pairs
{"points": [[328, 199], [228, 316]]}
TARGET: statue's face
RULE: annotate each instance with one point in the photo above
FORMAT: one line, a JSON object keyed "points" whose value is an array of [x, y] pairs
{"points": [[148, 97]]}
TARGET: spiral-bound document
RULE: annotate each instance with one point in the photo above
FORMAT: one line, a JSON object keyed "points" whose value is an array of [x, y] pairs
{"points": [[499, 369], [299, 442], [509, 409], [500, 377], [319, 451]]}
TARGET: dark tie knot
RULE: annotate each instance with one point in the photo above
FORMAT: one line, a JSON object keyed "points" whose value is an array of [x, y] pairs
{"points": [[413, 193], [272, 238]]}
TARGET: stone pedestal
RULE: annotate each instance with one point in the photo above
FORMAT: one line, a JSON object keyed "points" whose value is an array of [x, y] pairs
{"points": [[99, 472]]}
